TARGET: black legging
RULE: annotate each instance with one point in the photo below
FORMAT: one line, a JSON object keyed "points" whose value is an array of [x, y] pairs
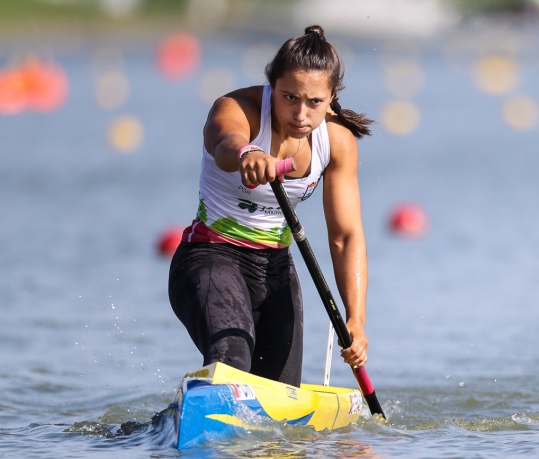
{"points": [[241, 306]]}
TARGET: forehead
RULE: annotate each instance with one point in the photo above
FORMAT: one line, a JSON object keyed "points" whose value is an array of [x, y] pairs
{"points": [[311, 83]]}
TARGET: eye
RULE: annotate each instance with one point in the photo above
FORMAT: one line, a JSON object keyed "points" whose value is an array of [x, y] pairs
{"points": [[315, 103], [290, 97]]}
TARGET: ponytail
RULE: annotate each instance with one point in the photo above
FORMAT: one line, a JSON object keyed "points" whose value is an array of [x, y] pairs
{"points": [[356, 122]]}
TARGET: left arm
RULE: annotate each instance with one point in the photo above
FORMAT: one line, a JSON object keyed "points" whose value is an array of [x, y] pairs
{"points": [[342, 209]]}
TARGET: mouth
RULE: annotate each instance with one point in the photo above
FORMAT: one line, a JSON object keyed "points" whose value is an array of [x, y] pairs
{"points": [[299, 129]]}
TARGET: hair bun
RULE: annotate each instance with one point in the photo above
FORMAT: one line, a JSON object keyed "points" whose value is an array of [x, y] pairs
{"points": [[315, 30]]}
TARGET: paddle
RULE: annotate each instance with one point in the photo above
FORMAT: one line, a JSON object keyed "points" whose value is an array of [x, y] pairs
{"points": [[298, 233]]}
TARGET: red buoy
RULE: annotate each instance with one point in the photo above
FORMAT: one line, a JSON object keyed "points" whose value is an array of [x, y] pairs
{"points": [[169, 241], [179, 55], [408, 220]]}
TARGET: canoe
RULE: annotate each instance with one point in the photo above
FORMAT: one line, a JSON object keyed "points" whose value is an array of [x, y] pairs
{"points": [[218, 402]]}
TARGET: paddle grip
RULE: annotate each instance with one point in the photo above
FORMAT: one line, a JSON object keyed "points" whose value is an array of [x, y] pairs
{"points": [[282, 167], [285, 166]]}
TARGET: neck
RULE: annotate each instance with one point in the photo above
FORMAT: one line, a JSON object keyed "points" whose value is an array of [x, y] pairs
{"points": [[277, 128]]}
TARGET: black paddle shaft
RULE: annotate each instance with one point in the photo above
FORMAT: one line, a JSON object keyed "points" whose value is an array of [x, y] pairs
{"points": [[321, 285], [314, 268]]}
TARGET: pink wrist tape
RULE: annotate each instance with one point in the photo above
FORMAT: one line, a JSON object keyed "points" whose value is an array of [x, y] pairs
{"points": [[247, 149]]}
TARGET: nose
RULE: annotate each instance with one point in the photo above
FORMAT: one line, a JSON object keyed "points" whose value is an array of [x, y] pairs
{"points": [[300, 112]]}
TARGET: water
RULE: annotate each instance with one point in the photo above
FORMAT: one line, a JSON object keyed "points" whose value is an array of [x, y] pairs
{"points": [[91, 349]]}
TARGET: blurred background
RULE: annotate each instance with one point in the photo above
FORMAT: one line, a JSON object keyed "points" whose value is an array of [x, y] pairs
{"points": [[102, 104]]}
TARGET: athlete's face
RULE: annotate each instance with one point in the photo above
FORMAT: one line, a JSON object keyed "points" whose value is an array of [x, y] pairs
{"points": [[300, 101]]}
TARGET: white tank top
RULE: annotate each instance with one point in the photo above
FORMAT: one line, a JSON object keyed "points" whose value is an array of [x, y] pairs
{"points": [[230, 212]]}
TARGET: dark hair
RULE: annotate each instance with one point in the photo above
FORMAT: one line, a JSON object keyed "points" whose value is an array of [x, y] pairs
{"points": [[311, 51]]}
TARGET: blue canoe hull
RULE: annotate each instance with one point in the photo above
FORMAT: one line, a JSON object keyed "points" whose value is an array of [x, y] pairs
{"points": [[217, 402]]}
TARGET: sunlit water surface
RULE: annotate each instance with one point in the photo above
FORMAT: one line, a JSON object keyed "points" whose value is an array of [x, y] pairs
{"points": [[91, 350]]}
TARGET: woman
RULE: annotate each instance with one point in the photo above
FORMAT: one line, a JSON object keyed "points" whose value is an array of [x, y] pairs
{"points": [[232, 280]]}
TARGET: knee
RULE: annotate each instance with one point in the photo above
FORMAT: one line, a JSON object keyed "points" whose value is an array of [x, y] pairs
{"points": [[240, 362], [235, 349]]}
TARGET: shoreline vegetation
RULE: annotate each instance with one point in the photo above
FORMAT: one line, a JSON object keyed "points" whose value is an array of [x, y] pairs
{"points": [[103, 9], [73, 23], [31, 19]]}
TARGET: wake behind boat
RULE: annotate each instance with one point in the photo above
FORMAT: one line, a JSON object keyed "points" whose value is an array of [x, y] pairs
{"points": [[218, 402]]}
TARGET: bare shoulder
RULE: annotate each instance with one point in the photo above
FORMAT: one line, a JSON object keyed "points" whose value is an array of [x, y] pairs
{"points": [[237, 111], [248, 100], [342, 142]]}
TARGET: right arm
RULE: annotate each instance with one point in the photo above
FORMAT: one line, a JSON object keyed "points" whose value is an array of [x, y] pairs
{"points": [[232, 122]]}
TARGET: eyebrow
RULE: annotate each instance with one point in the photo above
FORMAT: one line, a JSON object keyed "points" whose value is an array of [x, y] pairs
{"points": [[290, 93]]}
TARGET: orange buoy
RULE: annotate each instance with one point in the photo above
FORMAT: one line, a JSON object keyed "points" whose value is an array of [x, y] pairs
{"points": [[179, 55], [13, 97], [169, 241], [33, 85], [408, 220], [46, 85]]}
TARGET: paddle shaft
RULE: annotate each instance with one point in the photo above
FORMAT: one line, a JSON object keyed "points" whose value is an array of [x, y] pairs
{"points": [[298, 233]]}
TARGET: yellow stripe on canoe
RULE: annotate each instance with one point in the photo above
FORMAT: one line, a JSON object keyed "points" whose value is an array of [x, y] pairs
{"points": [[331, 407], [237, 422]]}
